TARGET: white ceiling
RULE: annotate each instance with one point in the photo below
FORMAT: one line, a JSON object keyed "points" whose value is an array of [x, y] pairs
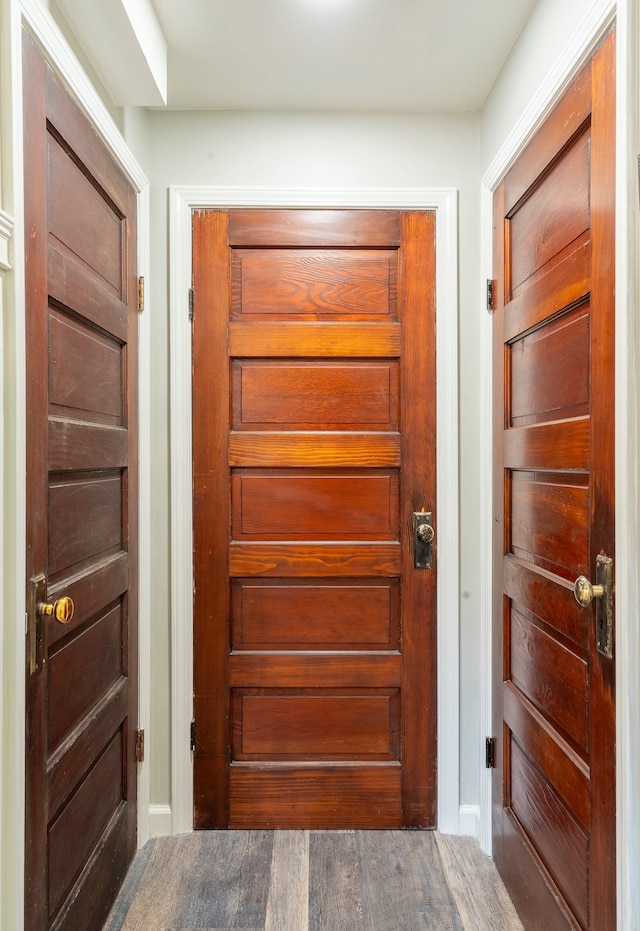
{"points": [[420, 55]]}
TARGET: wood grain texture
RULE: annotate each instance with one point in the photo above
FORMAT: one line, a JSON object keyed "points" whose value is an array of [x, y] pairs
{"points": [[563, 767], [315, 340], [549, 446], [317, 796], [314, 560], [551, 676], [555, 213], [351, 228], [476, 887], [296, 615], [316, 881], [293, 283], [549, 522], [272, 395], [318, 724], [325, 669], [562, 349], [326, 449], [556, 837], [309, 505], [288, 902], [561, 286]]}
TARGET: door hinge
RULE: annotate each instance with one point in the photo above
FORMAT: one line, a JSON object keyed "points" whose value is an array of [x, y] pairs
{"points": [[191, 305], [141, 293], [193, 736], [140, 746], [490, 293], [490, 753]]}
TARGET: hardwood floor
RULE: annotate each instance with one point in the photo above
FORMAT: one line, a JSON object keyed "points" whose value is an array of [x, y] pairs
{"points": [[312, 881]]}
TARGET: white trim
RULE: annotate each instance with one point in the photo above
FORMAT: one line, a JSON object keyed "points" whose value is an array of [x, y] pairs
{"points": [[486, 521], [6, 230], [59, 53], [469, 820], [598, 20], [626, 455], [444, 201], [12, 748], [160, 820], [587, 35], [144, 512]]}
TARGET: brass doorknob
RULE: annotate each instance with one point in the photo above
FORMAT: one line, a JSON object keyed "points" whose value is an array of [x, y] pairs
{"points": [[425, 533], [585, 592], [62, 609]]}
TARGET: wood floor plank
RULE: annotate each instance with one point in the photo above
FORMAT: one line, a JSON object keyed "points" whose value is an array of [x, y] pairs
{"points": [[160, 890], [323, 881], [288, 903], [335, 882], [404, 887], [229, 884], [475, 885], [129, 889]]}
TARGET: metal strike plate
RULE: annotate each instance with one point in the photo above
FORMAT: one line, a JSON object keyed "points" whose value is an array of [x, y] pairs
{"points": [[604, 606], [423, 535], [37, 595]]}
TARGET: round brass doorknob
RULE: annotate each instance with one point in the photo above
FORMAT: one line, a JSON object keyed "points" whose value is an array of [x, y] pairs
{"points": [[425, 533], [62, 609], [585, 592]]}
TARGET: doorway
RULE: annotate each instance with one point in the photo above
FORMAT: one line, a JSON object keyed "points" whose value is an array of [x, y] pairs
{"points": [[183, 201]]}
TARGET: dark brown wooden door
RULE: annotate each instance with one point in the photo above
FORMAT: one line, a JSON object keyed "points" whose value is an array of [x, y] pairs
{"points": [[554, 801], [81, 694], [314, 443]]}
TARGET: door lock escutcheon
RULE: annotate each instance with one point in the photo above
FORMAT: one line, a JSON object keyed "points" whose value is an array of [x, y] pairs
{"points": [[423, 534], [602, 592], [38, 610]]}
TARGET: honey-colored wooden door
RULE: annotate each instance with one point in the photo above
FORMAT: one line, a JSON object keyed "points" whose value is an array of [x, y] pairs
{"points": [[554, 801], [314, 444], [81, 677]]}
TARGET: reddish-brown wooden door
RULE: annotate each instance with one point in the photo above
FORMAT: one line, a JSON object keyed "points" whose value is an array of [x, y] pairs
{"points": [[314, 444], [554, 801], [81, 321]]}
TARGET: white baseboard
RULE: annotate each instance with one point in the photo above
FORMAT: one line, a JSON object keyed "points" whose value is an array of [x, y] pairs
{"points": [[160, 820], [469, 820]]}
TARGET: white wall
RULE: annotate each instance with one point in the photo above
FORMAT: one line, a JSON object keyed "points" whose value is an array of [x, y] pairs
{"points": [[540, 44], [317, 150]]}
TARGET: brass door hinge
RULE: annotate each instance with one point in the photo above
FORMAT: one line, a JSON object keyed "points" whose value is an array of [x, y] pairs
{"points": [[140, 746], [490, 294], [141, 293]]}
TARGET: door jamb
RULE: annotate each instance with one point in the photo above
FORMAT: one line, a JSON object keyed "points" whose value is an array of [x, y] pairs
{"points": [[444, 201], [626, 13], [13, 14]]}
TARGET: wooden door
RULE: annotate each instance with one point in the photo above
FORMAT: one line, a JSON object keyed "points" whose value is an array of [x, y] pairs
{"points": [[314, 444], [81, 321], [554, 802]]}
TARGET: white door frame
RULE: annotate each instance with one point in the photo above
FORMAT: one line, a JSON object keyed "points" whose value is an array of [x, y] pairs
{"points": [[13, 14], [444, 201], [598, 20]]}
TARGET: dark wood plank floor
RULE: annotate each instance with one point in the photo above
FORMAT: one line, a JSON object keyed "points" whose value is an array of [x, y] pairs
{"points": [[312, 881]]}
